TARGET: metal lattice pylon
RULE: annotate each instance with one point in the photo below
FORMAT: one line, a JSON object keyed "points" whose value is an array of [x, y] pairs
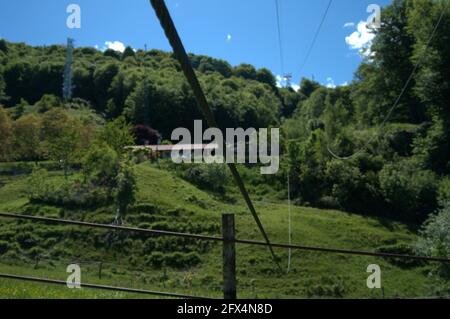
{"points": [[67, 78]]}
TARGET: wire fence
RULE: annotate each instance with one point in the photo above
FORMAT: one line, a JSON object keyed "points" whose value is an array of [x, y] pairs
{"points": [[105, 269], [102, 287], [153, 232]]}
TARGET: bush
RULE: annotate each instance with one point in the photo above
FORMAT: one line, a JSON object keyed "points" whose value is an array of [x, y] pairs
{"points": [[101, 164], [4, 246], [435, 241], [42, 189], [401, 249], [435, 235], [213, 177], [156, 260], [182, 260], [409, 191], [444, 191], [175, 260], [26, 240]]}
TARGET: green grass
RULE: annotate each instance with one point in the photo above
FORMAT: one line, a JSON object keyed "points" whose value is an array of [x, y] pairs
{"points": [[164, 200]]}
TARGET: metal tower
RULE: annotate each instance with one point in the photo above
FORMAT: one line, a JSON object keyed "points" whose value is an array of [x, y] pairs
{"points": [[288, 77], [67, 78]]}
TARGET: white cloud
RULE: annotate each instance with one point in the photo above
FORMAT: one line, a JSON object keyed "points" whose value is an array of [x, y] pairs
{"points": [[280, 81], [344, 84], [115, 45], [361, 39], [330, 83], [229, 38], [349, 24]]}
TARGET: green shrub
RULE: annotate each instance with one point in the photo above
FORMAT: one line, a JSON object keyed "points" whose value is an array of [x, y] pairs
{"points": [[444, 191], [435, 235], [176, 260], [27, 240], [435, 241], [156, 260], [182, 260], [212, 177], [4, 246], [410, 191], [402, 249]]}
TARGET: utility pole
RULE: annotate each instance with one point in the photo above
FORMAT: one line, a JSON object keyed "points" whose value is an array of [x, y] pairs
{"points": [[67, 79], [288, 77]]}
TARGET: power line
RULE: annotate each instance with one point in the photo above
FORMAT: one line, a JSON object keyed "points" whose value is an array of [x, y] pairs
{"points": [[221, 239], [102, 287], [280, 39], [180, 53], [397, 101], [316, 35]]}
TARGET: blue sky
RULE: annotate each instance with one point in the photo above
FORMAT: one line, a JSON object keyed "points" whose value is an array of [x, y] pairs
{"points": [[234, 30]]}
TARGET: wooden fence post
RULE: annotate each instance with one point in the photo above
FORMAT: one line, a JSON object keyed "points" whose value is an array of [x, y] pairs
{"points": [[229, 257], [100, 268]]}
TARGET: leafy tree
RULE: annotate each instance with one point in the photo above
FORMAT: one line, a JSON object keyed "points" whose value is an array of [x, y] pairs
{"points": [[3, 96], [47, 78], [246, 71], [291, 101], [307, 87], [101, 165], [409, 190], [265, 76], [117, 135], [129, 52], [313, 108], [432, 148], [103, 76], [120, 89], [3, 46], [112, 53], [435, 241], [145, 135], [206, 64], [27, 138], [125, 191], [47, 102], [432, 82], [137, 105], [6, 135], [18, 77], [61, 135]]}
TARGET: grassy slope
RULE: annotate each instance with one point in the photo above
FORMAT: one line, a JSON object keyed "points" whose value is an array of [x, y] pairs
{"points": [[313, 274]]}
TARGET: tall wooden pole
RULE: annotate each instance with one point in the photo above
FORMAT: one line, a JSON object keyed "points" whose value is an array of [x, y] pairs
{"points": [[229, 257]]}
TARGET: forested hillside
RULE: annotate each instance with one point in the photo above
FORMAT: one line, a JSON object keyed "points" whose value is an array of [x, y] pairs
{"points": [[377, 148], [402, 172]]}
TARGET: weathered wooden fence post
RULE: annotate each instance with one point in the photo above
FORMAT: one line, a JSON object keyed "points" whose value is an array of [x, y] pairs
{"points": [[100, 268], [36, 262], [229, 257]]}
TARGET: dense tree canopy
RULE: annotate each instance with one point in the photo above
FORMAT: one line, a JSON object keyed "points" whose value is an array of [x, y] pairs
{"points": [[399, 160]]}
